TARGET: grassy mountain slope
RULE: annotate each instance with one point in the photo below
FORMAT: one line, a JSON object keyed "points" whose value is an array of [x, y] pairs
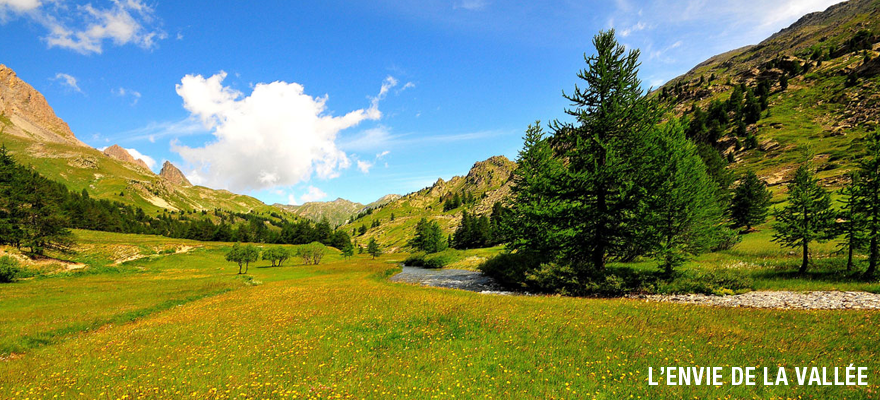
{"points": [[828, 105], [487, 182], [36, 137], [337, 212]]}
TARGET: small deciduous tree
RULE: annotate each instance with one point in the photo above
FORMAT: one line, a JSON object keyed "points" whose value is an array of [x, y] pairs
{"points": [[276, 255], [311, 253], [243, 255], [751, 200], [808, 217]]}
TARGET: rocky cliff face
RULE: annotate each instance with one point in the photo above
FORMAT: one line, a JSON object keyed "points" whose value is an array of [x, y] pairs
{"points": [[27, 109], [172, 174], [123, 155]]}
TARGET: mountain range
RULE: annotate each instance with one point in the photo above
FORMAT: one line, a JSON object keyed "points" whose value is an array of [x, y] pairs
{"points": [[823, 93]]}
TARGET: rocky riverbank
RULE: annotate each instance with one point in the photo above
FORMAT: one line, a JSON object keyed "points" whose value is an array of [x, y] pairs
{"points": [[825, 300]]}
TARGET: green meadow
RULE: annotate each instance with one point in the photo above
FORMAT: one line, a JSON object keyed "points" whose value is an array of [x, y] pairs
{"points": [[185, 325]]}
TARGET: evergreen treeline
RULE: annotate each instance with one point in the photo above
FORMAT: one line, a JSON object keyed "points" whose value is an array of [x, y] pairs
{"points": [[483, 231], [36, 213]]}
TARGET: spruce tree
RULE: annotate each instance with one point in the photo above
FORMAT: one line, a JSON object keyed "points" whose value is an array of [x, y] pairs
{"points": [[750, 202], [808, 217]]}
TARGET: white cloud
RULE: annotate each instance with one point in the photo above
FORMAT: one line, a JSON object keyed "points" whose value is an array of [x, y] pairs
{"points": [[387, 84], [313, 194], [364, 166], [471, 5], [17, 6], [408, 85], [640, 26], [140, 156], [123, 92], [369, 140], [86, 28], [276, 136], [156, 130], [382, 154], [68, 80], [381, 138], [291, 200]]}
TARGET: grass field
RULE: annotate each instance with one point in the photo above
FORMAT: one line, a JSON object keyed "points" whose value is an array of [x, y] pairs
{"points": [[186, 326]]}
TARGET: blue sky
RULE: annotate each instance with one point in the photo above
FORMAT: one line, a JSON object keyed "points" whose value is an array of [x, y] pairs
{"points": [[294, 101]]}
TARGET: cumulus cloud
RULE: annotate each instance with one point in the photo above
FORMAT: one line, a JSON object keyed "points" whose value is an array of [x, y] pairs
{"points": [[313, 194], [276, 136], [140, 156], [68, 80], [364, 166], [86, 28]]}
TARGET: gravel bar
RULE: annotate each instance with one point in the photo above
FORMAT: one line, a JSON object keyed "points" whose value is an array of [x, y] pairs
{"points": [[786, 300]]}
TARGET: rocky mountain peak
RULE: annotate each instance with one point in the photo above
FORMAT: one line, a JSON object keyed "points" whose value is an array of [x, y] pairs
{"points": [[172, 174], [123, 155], [492, 172], [25, 107]]}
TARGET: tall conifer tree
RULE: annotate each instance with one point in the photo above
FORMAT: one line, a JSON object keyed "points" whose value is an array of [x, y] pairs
{"points": [[603, 151], [807, 217], [868, 193], [750, 201]]}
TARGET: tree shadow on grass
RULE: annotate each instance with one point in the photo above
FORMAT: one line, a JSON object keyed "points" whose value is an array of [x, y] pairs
{"points": [[830, 270]]}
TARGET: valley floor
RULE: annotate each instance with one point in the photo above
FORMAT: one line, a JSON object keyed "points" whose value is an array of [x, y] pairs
{"points": [[186, 326]]}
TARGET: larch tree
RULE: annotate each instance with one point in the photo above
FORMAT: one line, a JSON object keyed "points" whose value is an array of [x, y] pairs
{"points": [[602, 152], [808, 217], [853, 227], [373, 248], [750, 203], [684, 211], [868, 198]]}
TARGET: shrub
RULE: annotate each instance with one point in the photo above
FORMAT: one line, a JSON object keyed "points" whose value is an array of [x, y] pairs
{"points": [[415, 260], [510, 269], [719, 282], [725, 239], [9, 269], [555, 278], [434, 261], [438, 261]]}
